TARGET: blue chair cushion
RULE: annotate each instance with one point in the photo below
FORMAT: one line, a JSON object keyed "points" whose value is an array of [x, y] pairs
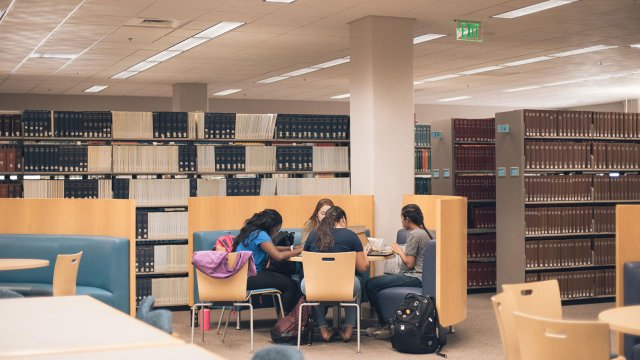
{"points": [[161, 319], [145, 306], [635, 353], [35, 289]]}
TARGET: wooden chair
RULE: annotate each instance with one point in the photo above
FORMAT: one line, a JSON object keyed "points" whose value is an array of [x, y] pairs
{"points": [[541, 298], [503, 307], [65, 274], [550, 339], [329, 280]]}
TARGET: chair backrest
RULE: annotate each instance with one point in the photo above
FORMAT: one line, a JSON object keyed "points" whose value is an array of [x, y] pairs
{"points": [[329, 276], [233, 288], [65, 274], [504, 306], [550, 339], [540, 298], [429, 269], [401, 236]]}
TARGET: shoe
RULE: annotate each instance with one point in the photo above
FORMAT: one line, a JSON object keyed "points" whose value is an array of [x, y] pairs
{"points": [[371, 330], [383, 333], [346, 333], [326, 334]]}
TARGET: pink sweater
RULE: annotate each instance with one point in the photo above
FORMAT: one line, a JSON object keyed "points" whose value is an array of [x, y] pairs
{"points": [[214, 263]]}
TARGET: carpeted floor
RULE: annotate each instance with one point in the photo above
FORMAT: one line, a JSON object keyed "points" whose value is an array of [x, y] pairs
{"points": [[475, 338]]}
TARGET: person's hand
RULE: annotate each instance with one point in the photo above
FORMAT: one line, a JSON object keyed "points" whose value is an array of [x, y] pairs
{"points": [[396, 248]]}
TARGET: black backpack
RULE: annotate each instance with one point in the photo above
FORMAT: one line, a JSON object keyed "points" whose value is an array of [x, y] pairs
{"points": [[415, 329], [282, 238]]}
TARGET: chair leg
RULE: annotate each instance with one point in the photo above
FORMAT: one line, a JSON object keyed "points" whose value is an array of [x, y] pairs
{"points": [[300, 324], [281, 307], [451, 330], [251, 325], [357, 321], [220, 320], [193, 320], [226, 325], [238, 321], [202, 324]]}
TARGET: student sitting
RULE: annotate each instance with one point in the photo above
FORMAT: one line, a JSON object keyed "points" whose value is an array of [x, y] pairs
{"points": [[314, 220], [412, 260], [332, 236], [255, 236]]}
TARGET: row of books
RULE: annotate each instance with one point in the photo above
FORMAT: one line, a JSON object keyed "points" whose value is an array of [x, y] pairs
{"points": [[624, 187], [482, 217], [312, 127], [422, 186], [557, 155], [584, 284], [582, 187], [475, 187], [563, 123], [334, 158], [569, 252], [10, 158], [474, 130], [313, 186], [422, 160], [68, 189], [36, 123], [569, 219], [166, 291], [66, 158], [164, 259], [161, 225], [616, 155], [475, 157], [422, 135], [170, 125], [481, 274], [481, 246], [130, 159], [156, 125], [79, 124], [10, 189], [10, 125]]}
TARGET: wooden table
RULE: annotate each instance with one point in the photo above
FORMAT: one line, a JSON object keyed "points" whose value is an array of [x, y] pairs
{"points": [[18, 264], [49, 325], [625, 319], [371, 258], [170, 352]]}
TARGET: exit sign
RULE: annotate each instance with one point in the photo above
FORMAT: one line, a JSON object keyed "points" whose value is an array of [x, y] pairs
{"points": [[467, 30]]}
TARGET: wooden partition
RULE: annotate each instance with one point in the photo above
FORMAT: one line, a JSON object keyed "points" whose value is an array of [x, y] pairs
{"points": [[448, 216], [627, 248], [95, 217], [230, 212]]}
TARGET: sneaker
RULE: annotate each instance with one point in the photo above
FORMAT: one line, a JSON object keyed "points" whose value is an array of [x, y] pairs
{"points": [[383, 333], [372, 330]]}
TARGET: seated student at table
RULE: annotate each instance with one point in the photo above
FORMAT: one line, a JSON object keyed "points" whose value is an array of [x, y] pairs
{"points": [[412, 260], [314, 220], [255, 236], [332, 236]]}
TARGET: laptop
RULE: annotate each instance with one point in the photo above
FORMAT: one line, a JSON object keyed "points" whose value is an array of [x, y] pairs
{"points": [[367, 245]]}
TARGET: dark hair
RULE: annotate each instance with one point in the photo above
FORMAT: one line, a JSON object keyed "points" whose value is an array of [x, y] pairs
{"points": [[414, 214], [314, 217], [324, 239], [266, 220]]}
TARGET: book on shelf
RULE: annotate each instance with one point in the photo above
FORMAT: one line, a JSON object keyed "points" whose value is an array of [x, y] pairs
{"points": [[10, 189], [82, 124], [36, 123], [475, 157], [164, 259], [10, 125], [481, 274], [159, 224], [474, 130], [482, 217], [481, 246], [422, 136], [422, 160], [422, 186], [575, 285], [166, 291], [68, 188], [475, 187]]}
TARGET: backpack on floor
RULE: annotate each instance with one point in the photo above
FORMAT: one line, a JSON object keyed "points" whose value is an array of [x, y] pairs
{"points": [[416, 329], [285, 331]]}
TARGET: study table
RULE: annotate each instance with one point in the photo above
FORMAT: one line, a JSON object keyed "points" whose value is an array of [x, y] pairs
{"points": [[19, 264], [625, 319], [371, 258], [168, 352]]}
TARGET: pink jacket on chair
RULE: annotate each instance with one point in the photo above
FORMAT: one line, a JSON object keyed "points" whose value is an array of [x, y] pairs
{"points": [[214, 263]]}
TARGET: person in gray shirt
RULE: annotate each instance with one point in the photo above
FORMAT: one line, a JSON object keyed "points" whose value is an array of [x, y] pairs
{"points": [[412, 263]]}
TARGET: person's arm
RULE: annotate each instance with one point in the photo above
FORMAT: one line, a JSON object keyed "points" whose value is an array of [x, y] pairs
{"points": [[277, 254], [362, 262], [409, 261]]}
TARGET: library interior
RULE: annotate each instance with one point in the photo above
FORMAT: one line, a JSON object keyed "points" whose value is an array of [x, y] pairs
{"points": [[312, 179]]}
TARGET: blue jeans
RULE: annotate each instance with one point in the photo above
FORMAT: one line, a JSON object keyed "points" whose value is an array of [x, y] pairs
{"points": [[350, 312], [379, 283]]}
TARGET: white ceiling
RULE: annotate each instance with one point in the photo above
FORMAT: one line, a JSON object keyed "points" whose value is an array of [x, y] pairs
{"points": [[279, 38]]}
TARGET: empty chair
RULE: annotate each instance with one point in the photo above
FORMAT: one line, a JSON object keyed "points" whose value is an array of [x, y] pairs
{"points": [[329, 280], [65, 274], [504, 306], [541, 298], [550, 339]]}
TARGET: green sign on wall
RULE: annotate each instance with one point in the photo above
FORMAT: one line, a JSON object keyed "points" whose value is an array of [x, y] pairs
{"points": [[467, 30]]}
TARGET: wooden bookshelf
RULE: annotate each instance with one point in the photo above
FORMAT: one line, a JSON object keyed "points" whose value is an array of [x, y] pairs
{"points": [[422, 159]]}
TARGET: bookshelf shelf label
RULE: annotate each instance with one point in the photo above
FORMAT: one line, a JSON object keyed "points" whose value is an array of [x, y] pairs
{"points": [[503, 128], [446, 173], [514, 171], [502, 172], [435, 174], [436, 134]]}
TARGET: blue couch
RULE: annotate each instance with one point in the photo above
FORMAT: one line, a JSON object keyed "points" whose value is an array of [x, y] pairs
{"points": [[631, 297], [103, 272]]}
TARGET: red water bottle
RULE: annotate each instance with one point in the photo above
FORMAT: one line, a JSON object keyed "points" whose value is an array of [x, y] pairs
{"points": [[204, 318]]}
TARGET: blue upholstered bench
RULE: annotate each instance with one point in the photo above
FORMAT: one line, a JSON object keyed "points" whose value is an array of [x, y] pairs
{"points": [[632, 297], [103, 272]]}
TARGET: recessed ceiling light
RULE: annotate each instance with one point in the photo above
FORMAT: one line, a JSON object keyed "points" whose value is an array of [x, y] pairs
{"points": [[218, 29], [124, 74], [528, 61], [53, 56], [455, 98], [635, 46], [96, 88], [481, 70], [426, 37], [343, 96], [142, 66], [188, 44], [227, 92], [438, 78], [545, 5], [583, 50], [272, 79], [164, 56], [523, 88], [300, 72], [566, 82], [331, 63]]}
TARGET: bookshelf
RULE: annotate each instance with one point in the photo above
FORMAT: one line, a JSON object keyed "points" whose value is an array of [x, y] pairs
{"points": [[563, 174], [160, 160], [422, 156], [464, 165]]}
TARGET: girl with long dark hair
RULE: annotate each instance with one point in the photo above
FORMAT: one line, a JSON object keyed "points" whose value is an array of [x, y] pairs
{"points": [[255, 236], [314, 220]]}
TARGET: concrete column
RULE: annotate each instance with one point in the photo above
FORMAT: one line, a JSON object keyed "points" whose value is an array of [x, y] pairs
{"points": [[382, 116], [190, 97], [632, 105]]}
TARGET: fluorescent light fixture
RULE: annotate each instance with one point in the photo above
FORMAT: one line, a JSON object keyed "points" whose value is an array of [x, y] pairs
{"points": [[163, 56], [227, 92], [343, 96], [272, 79], [545, 5], [300, 72], [218, 29], [583, 50], [124, 75], [455, 98], [528, 61], [523, 88], [635, 46], [280, 1], [566, 82], [426, 37], [96, 88], [188, 44], [481, 70], [331, 63], [438, 78], [142, 66], [53, 56]]}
